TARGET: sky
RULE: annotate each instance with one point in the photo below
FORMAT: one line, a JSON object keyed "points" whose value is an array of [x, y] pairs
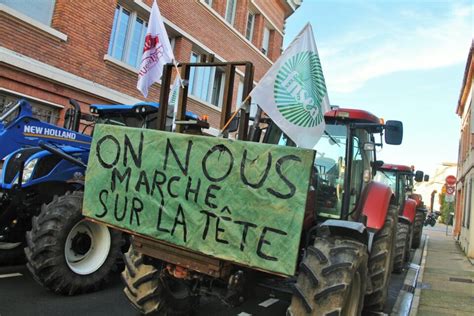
{"points": [[400, 60]]}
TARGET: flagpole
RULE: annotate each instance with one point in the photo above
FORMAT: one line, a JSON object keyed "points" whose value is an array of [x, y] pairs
{"points": [[178, 73]]}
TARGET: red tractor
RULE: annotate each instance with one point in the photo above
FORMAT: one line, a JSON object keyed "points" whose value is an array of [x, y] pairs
{"points": [[400, 179], [420, 217], [346, 249]]}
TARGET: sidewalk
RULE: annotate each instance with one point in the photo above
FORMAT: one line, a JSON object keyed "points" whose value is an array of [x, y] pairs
{"points": [[447, 287]]}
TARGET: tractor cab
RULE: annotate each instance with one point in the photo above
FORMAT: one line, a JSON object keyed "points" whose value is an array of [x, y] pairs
{"points": [[345, 156], [400, 179]]}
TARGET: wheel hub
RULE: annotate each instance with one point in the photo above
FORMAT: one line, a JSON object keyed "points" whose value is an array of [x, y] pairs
{"points": [[81, 243], [87, 247]]}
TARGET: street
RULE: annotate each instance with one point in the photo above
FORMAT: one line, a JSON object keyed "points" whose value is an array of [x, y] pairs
{"points": [[21, 295]]}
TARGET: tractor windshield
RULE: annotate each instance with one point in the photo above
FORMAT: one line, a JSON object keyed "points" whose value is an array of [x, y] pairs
{"points": [[390, 179], [387, 177], [9, 113]]}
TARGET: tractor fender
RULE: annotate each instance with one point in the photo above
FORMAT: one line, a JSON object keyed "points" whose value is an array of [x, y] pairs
{"points": [[409, 210], [352, 230], [375, 204], [404, 220], [416, 198]]}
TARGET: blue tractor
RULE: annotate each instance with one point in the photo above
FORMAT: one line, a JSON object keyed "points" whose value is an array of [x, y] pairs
{"points": [[41, 187]]}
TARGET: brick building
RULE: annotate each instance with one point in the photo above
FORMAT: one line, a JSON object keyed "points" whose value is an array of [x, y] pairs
{"points": [[53, 50], [464, 216]]}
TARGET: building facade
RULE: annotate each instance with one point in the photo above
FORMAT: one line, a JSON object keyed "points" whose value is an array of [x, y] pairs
{"points": [[53, 50], [464, 217]]}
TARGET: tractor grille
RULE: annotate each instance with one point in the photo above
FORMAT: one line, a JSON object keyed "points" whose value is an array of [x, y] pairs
{"points": [[14, 163], [45, 165]]}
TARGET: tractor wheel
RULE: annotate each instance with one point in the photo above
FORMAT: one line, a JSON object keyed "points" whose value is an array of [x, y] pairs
{"points": [[12, 253], [332, 279], [67, 254], [381, 261], [400, 247], [417, 229], [151, 290]]}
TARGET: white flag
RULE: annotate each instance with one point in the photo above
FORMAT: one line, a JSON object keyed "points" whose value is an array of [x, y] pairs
{"points": [[156, 52], [293, 92], [173, 104]]}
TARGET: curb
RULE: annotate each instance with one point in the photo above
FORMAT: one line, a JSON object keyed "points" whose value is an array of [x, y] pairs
{"points": [[416, 298], [407, 296]]}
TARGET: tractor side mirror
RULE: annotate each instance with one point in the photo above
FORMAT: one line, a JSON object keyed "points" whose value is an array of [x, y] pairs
{"points": [[393, 132], [426, 178], [419, 176]]}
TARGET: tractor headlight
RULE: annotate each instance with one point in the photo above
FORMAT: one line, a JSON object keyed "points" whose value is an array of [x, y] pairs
{"points": [[28, 170]]}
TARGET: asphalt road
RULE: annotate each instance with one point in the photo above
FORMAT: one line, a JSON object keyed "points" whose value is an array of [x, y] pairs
{"points": [[21, 295]]}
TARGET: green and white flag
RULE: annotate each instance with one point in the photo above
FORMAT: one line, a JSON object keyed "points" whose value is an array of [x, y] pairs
{"points": [[293, 92]]}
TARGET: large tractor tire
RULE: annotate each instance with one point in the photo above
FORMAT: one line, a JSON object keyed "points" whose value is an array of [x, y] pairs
{"points": [[67, 254], [151, 290], [381, 262], [409, 243], [332, 279], [402, 242], [417, 229], [12, 253]]}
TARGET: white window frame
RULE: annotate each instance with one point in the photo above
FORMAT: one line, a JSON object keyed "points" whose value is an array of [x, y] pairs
{"points": [[128, 36], [266, 40], [34, 24], [231, 18], [249, 36]]}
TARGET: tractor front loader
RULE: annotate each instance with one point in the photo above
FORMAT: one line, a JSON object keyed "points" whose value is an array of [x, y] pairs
{"points": [[42, 186]]}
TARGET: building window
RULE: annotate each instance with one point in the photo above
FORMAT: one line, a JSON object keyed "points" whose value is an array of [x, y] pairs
{"points": [[208, 2], [230, 11], [265, 40], [39, 10], [469, 204], [128, 37], [250, 25], [206, 83], [240, 94], [41, 111]]}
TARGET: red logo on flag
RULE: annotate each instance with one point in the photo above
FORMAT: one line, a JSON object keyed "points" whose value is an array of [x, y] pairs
{"points": [[151, 41]]}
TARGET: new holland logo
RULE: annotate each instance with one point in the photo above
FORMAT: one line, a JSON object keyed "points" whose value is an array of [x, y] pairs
{"points": [[299, 90], [29, 130]]}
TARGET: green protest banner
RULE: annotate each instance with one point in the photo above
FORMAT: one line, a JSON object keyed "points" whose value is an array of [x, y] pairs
{"points": [[237, 201]]}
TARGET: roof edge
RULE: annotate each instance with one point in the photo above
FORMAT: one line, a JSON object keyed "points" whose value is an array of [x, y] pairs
{"points": [[468, 72]]}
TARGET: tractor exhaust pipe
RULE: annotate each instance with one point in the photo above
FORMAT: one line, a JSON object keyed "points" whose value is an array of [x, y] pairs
{"points": [[77, 114]]}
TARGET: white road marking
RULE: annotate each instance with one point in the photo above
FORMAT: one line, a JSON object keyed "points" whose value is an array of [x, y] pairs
{"points": [[268, 302], [10, 275], [244, 314]]}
